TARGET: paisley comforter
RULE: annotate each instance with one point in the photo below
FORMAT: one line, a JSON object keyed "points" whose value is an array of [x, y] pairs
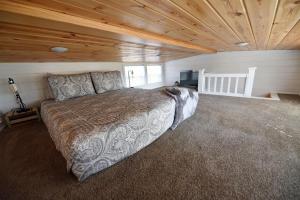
{"points": [[186, 103], [94, 132]]}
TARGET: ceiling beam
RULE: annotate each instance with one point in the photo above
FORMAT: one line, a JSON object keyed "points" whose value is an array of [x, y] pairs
{"points": [[42, 13]]}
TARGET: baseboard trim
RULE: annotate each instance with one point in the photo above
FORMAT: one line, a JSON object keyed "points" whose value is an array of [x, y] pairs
{"points": [[252, 97], [274, 96]]}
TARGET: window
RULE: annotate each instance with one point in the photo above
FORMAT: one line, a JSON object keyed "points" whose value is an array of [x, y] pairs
{"points": [[135, 76], [141, 75], [154, 73]]}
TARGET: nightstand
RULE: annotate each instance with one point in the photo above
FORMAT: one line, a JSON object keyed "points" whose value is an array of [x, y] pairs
{"points": [[14, 117]]}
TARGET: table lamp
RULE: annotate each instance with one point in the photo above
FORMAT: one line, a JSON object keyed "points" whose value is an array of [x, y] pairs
{"points": [[14, 89]]}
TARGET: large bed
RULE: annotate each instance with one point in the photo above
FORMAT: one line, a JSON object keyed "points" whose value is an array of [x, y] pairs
{"points": [[95, 131]]}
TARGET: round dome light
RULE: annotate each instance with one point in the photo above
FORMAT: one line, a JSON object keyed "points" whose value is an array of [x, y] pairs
{"points": [[242, 44], [59, 49]]}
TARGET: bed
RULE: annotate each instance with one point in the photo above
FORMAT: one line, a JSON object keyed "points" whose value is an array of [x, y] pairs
{"points": [[95, 131]]}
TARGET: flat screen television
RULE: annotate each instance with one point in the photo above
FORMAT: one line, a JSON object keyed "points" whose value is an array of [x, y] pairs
{"points": [[189, 78]]}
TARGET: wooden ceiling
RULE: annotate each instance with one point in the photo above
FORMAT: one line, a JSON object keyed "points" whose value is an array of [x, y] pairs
{"points": [[143, 30]]}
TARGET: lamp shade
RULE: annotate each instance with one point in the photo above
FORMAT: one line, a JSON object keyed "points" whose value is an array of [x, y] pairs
{"points": [[12, 85], [13, 88]]}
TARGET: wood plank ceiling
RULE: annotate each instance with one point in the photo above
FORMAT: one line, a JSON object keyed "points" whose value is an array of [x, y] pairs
{"points": [[143, 30]]}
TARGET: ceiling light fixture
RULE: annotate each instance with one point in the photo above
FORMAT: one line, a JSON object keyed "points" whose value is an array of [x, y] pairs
{"points": [[242, 44], [59, 49]]}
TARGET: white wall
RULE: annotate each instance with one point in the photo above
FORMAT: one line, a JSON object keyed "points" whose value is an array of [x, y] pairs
{"points": [[31, 81], [277, 71]]}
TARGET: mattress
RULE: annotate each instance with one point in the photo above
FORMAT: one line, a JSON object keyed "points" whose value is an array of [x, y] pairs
{"points": [[95, 132]]}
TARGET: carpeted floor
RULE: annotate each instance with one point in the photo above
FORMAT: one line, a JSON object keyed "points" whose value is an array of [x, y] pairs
{"points": [[232, 148]]}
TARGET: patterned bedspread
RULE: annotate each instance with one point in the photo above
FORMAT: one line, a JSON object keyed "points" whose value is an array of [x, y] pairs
{"points": [[186, 103], [94, 132]]}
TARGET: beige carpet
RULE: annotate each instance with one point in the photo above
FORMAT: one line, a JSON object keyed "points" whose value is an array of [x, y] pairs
{"points": [[232, 148]]}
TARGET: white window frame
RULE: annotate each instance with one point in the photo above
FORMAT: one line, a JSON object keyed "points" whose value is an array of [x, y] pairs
{"points": [[146, 72], [162, 73]]}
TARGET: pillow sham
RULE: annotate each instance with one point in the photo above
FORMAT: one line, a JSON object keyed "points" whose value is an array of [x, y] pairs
{"points": [[106, 81], [47, 91], [69, 86]]}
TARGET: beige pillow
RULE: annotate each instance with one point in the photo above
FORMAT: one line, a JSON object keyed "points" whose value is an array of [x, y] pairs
{"points": [[69, 86], [106, 81], [47, 89]]}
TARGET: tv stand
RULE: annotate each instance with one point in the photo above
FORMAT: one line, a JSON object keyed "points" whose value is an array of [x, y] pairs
{"points": [[195, 87]]}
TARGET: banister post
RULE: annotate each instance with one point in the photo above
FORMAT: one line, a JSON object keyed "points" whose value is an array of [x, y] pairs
{"points": [[249, 81], [201, 81]]}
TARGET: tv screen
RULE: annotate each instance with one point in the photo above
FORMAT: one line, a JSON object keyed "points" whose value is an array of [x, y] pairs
{"points": [[184, 76], [188, 78], [195, 76]]}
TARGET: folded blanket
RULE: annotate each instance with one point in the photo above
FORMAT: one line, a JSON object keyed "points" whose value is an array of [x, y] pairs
{"points": [[186, 103]]}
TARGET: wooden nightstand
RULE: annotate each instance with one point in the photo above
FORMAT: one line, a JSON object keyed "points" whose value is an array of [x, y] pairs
{"points": [[14, 117]]}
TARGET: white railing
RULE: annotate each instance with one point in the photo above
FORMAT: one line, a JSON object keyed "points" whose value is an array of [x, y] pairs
{"points": [[221, 84]]}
